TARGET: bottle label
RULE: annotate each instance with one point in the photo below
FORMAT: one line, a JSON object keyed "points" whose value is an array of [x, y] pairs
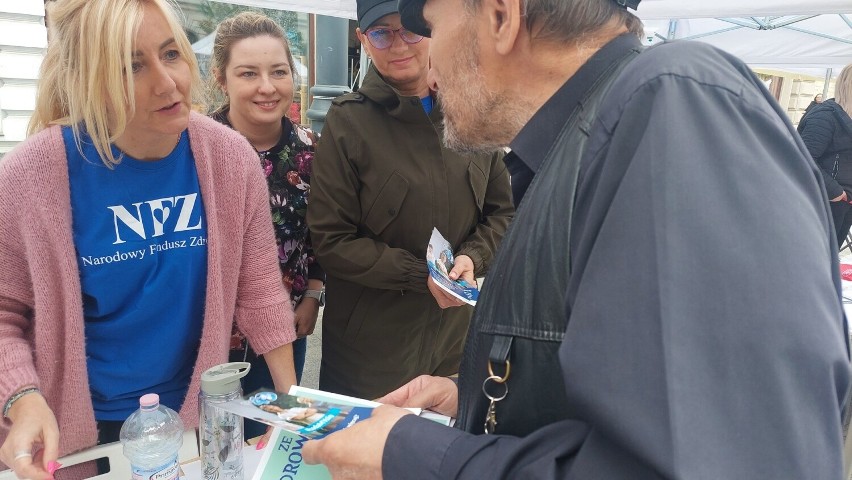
{"points": [[166, 471]]}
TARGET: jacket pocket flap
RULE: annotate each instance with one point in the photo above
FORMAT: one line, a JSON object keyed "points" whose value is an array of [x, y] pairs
{"points": [[387, 204], [478, 183]]}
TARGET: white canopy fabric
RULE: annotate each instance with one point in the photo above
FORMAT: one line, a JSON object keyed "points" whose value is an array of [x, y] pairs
{"points": [[332, 8], [802, 35], [666, 9], [648, 9], [784, 42]]}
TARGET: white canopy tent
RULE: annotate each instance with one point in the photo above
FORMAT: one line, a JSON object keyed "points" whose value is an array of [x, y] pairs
{"points": [[650, 9], [808, 44], [804, 35], [332, 8], [665, 9]]}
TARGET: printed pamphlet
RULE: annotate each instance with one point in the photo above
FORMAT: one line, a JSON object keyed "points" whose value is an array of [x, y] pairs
{"points": [[360, 402], [440, 260], [305, 416], [282, 457]]}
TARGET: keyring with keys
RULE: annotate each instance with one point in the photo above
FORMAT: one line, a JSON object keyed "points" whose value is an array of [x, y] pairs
{"points": [[497, 381]]}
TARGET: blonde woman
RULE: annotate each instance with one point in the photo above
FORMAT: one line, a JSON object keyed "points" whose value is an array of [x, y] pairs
{"points": [[134, 233], [827, 132]]}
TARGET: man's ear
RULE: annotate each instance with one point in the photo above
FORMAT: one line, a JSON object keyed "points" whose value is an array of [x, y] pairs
{"points": [[504, 23]]}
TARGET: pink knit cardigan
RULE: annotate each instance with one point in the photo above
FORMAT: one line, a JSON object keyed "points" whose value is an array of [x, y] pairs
{"points": [[41, 313]]}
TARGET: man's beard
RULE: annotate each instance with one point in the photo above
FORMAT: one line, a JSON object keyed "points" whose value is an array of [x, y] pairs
{"points": [[476, 120]]}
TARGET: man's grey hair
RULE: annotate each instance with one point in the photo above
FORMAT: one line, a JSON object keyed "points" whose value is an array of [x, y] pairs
{"points": [[570, 21]]}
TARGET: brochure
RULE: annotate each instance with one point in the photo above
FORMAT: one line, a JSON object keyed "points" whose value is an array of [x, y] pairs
{"points": [[360, 402], [440, 260], [282, 457], [306, 416]]}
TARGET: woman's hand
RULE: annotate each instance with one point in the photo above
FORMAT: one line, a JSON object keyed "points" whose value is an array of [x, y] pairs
{"points": [[33, 442], [281, 367], [439, 394], [462, 271], [305, 315], [442, 298], [841, 198]]}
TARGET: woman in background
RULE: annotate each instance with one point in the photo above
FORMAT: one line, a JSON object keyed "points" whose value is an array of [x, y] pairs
{"points": [[253, 66], [134, 233], [827, 133], [816, 101]]}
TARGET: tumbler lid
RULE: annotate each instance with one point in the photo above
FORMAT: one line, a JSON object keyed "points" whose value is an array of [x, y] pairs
{"points": [[225, 378]]}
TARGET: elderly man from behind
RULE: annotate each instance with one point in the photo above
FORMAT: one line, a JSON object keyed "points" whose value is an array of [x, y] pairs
{"points": [[635, 323]]}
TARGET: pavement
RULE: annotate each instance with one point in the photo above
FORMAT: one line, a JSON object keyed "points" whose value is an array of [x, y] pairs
{"points": [[310, 375]]}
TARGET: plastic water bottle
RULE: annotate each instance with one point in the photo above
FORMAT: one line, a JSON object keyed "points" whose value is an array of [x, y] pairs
{"points": [[151, 437], [221, 432]]}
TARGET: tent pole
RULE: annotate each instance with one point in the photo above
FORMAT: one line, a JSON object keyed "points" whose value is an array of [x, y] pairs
{"points": [[672, 29], [331, 63], [363, 65], [827, 83]]}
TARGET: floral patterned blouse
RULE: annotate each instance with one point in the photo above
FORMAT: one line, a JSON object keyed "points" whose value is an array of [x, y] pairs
{"points": [[287, 167]]}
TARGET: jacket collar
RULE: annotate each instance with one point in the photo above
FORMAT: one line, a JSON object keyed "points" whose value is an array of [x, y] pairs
{"points": [[405, 108], [541, 132]]}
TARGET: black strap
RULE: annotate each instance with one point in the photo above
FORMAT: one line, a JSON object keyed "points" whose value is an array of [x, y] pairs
{"points": [[500, 353]]}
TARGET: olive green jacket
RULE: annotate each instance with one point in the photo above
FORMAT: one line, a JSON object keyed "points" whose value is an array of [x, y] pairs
{"points": [[382, 179]]}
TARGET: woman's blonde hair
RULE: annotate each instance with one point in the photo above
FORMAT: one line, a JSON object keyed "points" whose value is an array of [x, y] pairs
{"points": [[843, 89], [230, 31], [82, 81]]}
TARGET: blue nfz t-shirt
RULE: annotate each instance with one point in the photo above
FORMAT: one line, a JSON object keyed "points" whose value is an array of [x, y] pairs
{"points": [[140, 236]]}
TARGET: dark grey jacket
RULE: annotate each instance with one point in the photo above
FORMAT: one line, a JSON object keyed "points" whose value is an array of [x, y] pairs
{"points": [[705, 332]]}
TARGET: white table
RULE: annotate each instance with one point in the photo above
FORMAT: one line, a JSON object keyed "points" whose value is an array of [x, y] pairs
{"points": [[251, 458]]}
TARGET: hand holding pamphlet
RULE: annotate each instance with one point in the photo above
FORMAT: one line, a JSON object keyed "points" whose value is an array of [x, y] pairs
{"points": [[440, 260], [282, 457]]}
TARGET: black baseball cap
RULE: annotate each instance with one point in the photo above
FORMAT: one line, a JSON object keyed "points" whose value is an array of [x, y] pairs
{"points": [[370, 11], [411, 13]]}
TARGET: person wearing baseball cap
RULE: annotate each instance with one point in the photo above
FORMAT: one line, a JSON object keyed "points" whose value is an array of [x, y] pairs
{"points": [[370, 11], [636, 323], [382, 180]]}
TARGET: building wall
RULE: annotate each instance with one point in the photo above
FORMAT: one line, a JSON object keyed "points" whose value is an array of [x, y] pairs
{"points": [[23, 39], [796, 90]]}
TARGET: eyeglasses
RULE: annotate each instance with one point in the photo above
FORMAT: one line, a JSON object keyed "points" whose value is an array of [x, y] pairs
{"points": [[382, 37]]}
